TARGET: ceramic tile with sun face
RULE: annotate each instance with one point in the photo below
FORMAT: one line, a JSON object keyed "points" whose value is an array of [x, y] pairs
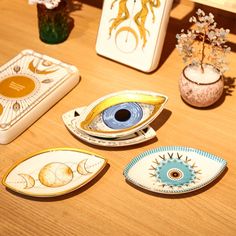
{"points": [[174, 170], [53, 172], [121, 114], [133, 31], [30, 84], [70, 120]]}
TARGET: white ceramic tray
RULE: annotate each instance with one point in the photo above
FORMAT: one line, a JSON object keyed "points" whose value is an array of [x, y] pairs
{"points": [[132, 32], [53, 172], [30, 84], [174, 170]]}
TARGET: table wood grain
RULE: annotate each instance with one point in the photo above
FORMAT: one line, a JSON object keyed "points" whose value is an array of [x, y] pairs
{"points": [[109, 205]]}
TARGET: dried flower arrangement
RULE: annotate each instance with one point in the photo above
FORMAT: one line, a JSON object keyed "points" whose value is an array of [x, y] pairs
{"points": [[204, 43]]}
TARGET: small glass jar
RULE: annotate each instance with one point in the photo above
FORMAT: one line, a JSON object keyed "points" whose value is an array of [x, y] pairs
{"points": [[53, 23], [201, 93]]}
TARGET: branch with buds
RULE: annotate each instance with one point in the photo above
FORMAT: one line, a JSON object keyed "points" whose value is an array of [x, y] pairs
{"points": [[204, 43]]}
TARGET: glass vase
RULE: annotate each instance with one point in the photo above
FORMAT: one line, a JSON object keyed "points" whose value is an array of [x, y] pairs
{"points": [[53, 23]]}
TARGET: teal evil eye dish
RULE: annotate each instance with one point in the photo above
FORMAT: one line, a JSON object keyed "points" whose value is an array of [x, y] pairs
{"points": [[174, 169]]}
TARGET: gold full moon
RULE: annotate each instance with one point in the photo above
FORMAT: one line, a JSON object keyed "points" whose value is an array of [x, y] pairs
{"points": [[55, 174]]}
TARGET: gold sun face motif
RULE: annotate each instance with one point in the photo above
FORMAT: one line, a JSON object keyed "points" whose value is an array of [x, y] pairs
{"points": [[24, 82], [17, 86]]}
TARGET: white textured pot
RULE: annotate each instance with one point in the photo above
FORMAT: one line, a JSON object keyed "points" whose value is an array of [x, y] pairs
{"points": [[201, 89]]}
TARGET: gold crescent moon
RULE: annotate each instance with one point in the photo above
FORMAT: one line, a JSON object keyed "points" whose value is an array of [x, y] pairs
{"points": [[33, 69], [128, 29], [81, 168], [29, 181]]}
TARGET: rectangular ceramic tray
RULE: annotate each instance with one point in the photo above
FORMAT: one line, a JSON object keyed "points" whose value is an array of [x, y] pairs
{"points": [[30, 84], [132, 32]]}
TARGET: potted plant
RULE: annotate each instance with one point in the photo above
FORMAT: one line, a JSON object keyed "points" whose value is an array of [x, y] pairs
{"points": [[203, 48]]}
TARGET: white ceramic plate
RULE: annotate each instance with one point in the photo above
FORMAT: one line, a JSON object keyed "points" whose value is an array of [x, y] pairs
{"points": [[174, 170], [53, 172], [70, 121]]}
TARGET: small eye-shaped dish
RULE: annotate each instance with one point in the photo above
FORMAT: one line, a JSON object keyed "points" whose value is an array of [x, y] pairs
{"points": [[70, 121], [122, 113], [174, 170], [53, 172]]}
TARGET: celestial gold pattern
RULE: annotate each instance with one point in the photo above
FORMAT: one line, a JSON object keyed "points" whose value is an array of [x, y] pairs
{"points": [[139, 18], [33, 69], [29, 181], [81, 168], [46, 63], [128, 30], [16, 68], [17, 86], [1, 109], [55, 174], [122, 15], [47, 81], [16, 106]]}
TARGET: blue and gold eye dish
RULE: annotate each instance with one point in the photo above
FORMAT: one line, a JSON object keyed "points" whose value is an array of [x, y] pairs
{"points": [[174, 170], [70, 121], [121, 114]]}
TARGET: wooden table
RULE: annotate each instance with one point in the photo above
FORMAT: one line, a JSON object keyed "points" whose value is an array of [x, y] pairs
{"points": [[108, 205]]}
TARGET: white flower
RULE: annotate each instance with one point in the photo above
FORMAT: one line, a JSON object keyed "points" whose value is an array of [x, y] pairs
{"points": [[50, 4]]}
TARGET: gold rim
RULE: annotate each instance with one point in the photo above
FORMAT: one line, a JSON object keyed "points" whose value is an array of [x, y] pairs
{"points": [[49, 150]]}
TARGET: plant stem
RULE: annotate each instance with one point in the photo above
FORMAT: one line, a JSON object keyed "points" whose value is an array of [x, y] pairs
{"points": [[203, 51]]}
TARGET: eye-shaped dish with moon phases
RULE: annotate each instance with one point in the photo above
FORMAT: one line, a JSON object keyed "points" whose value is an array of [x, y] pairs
{"points": [[53, 172], [174, 169], [122, 113]]}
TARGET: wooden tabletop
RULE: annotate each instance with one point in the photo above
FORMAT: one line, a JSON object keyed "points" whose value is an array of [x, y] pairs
{"points": [[108, 205]]}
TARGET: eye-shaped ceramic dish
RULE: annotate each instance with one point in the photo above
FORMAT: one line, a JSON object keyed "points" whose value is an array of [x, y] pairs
{"points": [[121, 114], [174, 170], [70, 118], [53, 172]]}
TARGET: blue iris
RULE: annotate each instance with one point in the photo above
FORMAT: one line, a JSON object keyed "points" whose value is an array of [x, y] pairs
{"points": [[121, 116], [175, 173]]}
